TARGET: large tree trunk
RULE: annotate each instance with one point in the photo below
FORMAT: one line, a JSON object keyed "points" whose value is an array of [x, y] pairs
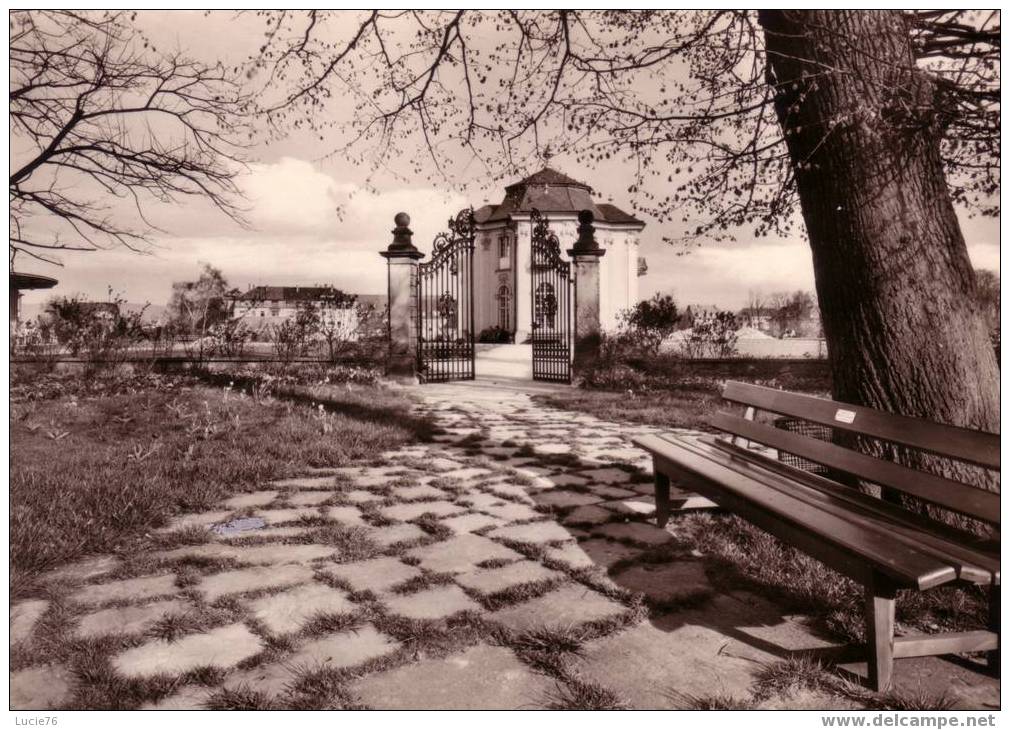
{"points": [[896, 288]]}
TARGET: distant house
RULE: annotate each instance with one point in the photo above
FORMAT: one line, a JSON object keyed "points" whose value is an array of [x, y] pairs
{"points": [[781, 322], [263, 307], [696, 314], [759, 318]]}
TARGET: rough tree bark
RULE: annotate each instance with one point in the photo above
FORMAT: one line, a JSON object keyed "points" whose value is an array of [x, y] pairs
{"points": [[897, 291]]}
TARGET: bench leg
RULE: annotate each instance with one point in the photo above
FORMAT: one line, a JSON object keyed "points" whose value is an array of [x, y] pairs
{"points": [[992, 657], [880, 632], [662, 498]]}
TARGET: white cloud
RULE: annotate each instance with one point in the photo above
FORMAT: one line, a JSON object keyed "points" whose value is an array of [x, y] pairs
{"points": [[292, 196], [298, 239]]}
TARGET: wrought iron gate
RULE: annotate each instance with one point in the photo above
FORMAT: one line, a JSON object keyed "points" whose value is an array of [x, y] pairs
{"points": [[551, 329], [445, 337]]}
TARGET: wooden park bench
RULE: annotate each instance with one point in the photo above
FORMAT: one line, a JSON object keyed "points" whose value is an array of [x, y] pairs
{"points": [[876, 542]]}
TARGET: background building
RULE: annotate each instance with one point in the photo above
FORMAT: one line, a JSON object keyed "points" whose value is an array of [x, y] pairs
{"points": [[502, 277]]}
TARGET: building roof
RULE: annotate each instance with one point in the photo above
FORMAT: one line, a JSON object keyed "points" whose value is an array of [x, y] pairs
{"points": [[549, 176], [288, 293], [550, 191], [21, 281]]}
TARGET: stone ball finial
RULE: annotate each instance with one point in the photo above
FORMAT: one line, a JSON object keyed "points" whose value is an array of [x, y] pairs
{"points": [[586, 244], [403, 242]]}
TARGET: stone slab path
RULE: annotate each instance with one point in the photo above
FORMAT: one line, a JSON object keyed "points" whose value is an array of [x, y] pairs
{"points": [[510, 564]]}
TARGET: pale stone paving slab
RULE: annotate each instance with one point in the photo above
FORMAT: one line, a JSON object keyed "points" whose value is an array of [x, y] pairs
{"points": [[393, 534], [252, 499], [639, 505], [511, 512], [305, 499], [608, 476], [414, 510], [252, 579], [360, 496], [305, 482], [609, 492], [568, 605], [534, 533], [24, 616], [188, 698], [419, 492], [511, 491], [587, 515], [132, 589], [467, 473], [344, 514], [83, 569], [564, 498], [461, 554], [377, 575], [41, 688], [494, 580], [346, 649], [270, 553], [481, 678], [602, 553], [279, 516], [127, 620], [567, 480], [439, 602], [222, 647], [471, 523], [482, 500], [285, 612]]}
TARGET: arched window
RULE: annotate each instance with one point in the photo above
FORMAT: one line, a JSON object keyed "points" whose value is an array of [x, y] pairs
{"points": [[447, 313], [545, 305], [505, 307]]}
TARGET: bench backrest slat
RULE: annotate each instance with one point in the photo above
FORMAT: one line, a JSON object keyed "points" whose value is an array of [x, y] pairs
{"points": [[946, 493], [964, 444]]}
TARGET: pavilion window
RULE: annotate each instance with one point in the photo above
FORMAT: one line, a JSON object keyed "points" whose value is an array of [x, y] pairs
{"points": [[504, 251], [505, 307]]}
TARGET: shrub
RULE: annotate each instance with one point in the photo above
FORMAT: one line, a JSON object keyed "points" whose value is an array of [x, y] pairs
{"points": [[649, 323], [293, 337], [495, 335], [715, 337], [229, 338], [99, 332]]}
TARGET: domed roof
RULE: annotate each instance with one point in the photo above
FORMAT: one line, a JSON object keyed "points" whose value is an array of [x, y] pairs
{"points": [[550, 191]]}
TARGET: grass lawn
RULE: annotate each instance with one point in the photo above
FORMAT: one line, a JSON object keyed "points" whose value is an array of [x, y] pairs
{"points": [[689, 406], [90, 474]]}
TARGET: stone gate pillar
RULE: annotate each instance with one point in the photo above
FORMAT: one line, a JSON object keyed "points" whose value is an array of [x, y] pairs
{"points": [[401, 258], [586, 261]]}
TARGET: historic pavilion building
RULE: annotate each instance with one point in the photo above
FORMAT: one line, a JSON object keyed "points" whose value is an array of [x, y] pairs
{"points": [[503, 295]]}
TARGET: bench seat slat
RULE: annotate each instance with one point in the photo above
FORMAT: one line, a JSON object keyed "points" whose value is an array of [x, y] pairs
{"points": [[718, 475], [958, 443], [944, 492], [972, 565]]}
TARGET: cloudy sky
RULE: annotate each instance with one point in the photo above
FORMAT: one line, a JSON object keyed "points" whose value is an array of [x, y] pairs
{"points": [[313, 220]]}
